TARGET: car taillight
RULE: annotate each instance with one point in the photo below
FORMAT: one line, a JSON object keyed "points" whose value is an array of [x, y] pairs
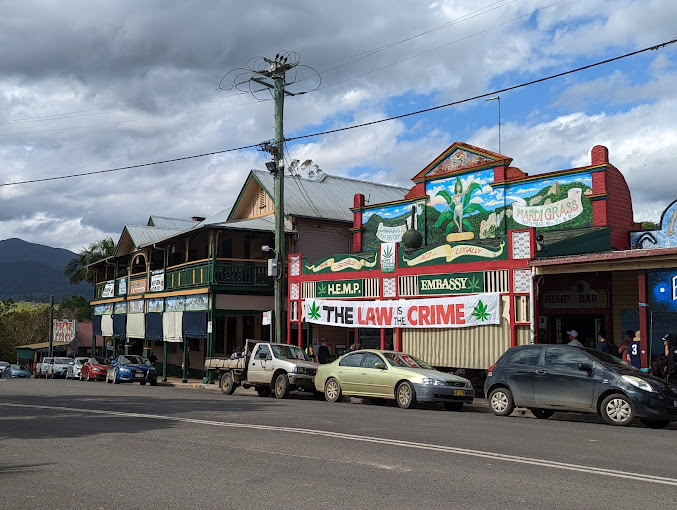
{"points": [[491, 369]]}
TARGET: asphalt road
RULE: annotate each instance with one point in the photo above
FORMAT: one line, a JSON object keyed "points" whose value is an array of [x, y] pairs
{"points": [[70, 444]]}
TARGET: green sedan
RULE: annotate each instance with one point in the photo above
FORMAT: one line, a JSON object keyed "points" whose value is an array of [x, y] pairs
{"points": [[388, 375]]}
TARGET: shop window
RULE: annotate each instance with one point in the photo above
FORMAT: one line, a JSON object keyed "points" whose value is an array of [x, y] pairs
{"points": [[227, 249]]}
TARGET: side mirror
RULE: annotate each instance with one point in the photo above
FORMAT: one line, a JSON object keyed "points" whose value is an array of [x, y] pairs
{"points": [[585, 367], [380, 366], [71, 363]]}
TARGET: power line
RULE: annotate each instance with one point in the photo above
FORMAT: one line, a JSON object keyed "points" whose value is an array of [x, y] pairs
{"points": [[364, 124]]}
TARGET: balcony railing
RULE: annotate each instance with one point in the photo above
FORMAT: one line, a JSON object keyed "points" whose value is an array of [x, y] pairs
{"points": [[228, 273]]}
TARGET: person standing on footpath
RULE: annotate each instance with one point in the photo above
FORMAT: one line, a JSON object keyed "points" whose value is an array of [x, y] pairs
{"points": [[670, 341], [573, 339], [623, 349], [634, 351], [323, 352], [602, 344]]}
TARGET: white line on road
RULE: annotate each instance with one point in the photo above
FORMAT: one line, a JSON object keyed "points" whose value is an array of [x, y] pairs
{"points": [[393, 442]]}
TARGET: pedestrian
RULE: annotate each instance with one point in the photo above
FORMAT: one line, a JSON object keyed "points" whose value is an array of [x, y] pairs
{"points": [[634, 350], [623, 349], [573, 339], [310, 352], [152, 358], [602, 344], [237, 353], [670, 341], [349, 349], [323, 352]]}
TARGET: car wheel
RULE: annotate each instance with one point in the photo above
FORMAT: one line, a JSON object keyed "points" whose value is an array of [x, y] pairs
{"points": [[143, 383], [115, 376], [617, 409], [89, 377], [227, 383], [263, 391], [406, 395], [542, 414], [501, 402], [453, 406], [153, 383], [282, 386], [655, 424], [332, 391]]}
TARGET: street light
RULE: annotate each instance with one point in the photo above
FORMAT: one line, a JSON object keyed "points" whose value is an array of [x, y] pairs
{"points": [[497, 98]]}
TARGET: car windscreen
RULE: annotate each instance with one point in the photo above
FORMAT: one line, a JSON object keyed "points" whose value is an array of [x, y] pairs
{"points": [[609, 359], [62, 361], [99, 361], [136, 360], [17, 367], [289, 352], [405, 361]]}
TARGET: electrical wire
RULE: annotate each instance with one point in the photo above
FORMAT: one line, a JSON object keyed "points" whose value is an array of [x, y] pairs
{"points": [[364, 124]]}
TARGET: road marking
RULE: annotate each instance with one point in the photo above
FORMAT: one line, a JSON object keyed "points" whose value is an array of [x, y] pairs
{"points": [[367, 439]]}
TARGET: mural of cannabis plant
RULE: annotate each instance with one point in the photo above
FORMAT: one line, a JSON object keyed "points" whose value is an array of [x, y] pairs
{"points": [[458, 207]]}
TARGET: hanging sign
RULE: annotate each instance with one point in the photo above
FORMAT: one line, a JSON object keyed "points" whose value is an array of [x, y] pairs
{"points": [[339, 289], [122, 286], [157, 280], [137, 286], [109, 289], [387, 257], [455, 283], [449, 312]]}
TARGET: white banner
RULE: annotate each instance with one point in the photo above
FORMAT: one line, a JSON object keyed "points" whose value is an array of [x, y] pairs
{"points": [[447, 312], [548, 215]]}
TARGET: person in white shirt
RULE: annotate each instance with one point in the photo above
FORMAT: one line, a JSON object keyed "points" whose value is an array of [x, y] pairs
{"points": [[573, 338]]}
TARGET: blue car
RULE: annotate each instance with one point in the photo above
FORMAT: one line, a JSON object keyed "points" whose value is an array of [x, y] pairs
{"points": [[131, 368], [14, 370]]}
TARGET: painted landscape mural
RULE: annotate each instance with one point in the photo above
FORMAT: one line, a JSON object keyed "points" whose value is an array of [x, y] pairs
{"points": [[468, 206]]}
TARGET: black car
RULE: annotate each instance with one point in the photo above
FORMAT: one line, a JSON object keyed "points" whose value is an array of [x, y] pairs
{"points": [[549, 378]]}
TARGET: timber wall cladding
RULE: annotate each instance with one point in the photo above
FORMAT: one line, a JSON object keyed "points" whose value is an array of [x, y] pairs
{"points": [[624, 296], [318, 238], [619, 214]]}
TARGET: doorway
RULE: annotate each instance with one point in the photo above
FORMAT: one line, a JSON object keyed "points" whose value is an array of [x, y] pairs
{"points": [[586, 325]]}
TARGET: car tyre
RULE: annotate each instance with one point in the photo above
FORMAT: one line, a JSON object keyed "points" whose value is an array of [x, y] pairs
{"points": [[406, 395], [616, 409], [143, 383], [282, 386], [332, 391], [153, 383], [501, 402], [453, 406], [655, 424], [115, 377], [542, 414], [227, 383], [263, 391]]}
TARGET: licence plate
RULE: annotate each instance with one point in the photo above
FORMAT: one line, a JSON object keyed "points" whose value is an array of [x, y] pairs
{"points": [[459, 393], [675, 403], [138, 375]]}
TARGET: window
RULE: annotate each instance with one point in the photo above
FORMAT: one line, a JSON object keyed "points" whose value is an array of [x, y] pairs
{"points": [[525, 357], [370, 360], [568, 359], [352, 360], [262, 352]]}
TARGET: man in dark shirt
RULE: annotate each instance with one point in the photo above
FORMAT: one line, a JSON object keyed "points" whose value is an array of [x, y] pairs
{"points": [[602, 344], [323, 352]]}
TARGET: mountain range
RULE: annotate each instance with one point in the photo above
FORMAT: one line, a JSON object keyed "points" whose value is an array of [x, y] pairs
{"points": [[34, 272]]}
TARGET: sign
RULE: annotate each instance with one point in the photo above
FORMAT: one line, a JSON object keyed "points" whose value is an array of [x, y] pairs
{"points": [[662, 285], [209, 327], [580, 295], [391, 234], [339, 289], [450, 312], [109, 289], [388, 257], [549, 215], [137, 286], [455, 283], [266, 318], [157, 280], [452, 252], [122, 286], [339, 263], [64, 331]]}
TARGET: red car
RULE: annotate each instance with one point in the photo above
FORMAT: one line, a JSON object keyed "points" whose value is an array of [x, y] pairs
{"points": [[94, 368]]}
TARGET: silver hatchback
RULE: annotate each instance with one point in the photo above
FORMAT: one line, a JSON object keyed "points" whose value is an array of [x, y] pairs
{"points": [[75, 367]]}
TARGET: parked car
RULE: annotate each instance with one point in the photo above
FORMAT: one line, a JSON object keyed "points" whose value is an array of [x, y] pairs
{"points": [[42, 366], [3, 366], [549, 378], [131, 368], [389, 375], [94, 368], [15, 370], [58, 367], [74, 367]]}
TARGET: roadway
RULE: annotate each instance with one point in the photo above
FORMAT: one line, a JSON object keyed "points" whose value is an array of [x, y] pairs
{"points": [[70, 444]]}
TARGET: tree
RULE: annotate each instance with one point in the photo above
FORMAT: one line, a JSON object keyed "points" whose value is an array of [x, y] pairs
{"points": [[75, 308], [650, 225], [296, 168], [77, 271]]}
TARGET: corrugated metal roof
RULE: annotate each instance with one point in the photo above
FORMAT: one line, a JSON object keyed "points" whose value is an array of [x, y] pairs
{"points": [[219, 217], [165, 222], [144, 236], [327, 196], [263, 223]]}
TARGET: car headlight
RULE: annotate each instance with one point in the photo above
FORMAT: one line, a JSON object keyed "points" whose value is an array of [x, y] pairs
{"points": [[124, 370], [468, 384], [153, 370], [638, 382], [432, 381]]}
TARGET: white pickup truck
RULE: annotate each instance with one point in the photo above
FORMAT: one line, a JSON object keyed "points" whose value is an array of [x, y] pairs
{"points": [[267, 367]]}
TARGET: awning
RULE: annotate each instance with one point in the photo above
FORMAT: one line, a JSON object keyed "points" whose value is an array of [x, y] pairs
{"points": [[195, 324], [154, 326], [96, 324], [136, 325], [119, 325], [43, 347], [172, 326], [107, 325]]}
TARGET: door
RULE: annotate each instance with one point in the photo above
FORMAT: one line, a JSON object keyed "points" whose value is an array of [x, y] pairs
{"points": [[560, 384], [521, 370], [348, 372], [261, 365], [375, 381]]}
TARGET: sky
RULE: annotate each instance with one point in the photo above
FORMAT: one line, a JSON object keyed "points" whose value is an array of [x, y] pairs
{"points": [[93, 86]]}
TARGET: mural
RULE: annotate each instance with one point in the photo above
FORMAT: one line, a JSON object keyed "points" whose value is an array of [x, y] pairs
{"points": [[339, 263], [136, 306], [666, 237], [175, 304], [197, 302], [387, 224], [104, 309], [156, 305]]}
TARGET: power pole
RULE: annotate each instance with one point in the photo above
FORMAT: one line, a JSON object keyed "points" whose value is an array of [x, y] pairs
{"points": [[277, 68], [51, 326]]}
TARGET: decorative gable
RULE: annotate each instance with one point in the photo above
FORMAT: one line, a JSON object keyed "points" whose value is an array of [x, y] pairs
{"points": [[460, 157]]}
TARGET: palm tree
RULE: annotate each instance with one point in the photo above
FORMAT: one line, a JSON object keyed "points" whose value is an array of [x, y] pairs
{"points": [[77, 271]]}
